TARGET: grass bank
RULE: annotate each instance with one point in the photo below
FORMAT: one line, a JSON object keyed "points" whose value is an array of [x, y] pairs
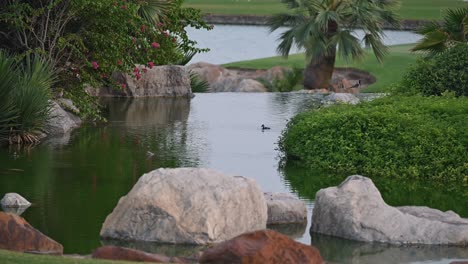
{"points": [[410, 9], [390, 71], [10, 257]]}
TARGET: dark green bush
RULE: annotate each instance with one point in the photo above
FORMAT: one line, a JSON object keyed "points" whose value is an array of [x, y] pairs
{"points": [[447, 71], [424, 138]]}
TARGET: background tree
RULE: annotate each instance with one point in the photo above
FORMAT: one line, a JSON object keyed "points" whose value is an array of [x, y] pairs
{"points": [[323, 28], [439, 37]]}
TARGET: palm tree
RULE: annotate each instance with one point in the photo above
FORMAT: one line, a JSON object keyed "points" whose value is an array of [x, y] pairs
{"points": [[439, 37], [323, 28]]}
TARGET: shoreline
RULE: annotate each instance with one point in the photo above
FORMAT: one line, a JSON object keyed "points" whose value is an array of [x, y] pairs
{"points": [[255, 20]]}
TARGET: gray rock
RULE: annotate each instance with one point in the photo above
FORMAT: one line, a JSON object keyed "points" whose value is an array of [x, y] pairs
{"points": [[345, 98], [236, 84], [160, 81], [14, 200], [283, 208], [355, 210], [68, 105], [187, 205], [60, 121]]}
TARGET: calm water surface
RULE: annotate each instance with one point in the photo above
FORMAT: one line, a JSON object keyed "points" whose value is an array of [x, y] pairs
{"points": [[252, 42], [75, 182]]}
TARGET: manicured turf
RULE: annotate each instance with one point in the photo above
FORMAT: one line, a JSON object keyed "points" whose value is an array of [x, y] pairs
{"points": [[410, 9], [10, 257], [393, 67]]}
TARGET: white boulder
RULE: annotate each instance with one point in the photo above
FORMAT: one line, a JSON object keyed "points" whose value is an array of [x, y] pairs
{"points": [[187, 205], [355, 210], [14, 200]]}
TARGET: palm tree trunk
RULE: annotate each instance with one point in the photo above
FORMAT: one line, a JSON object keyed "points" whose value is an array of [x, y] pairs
{"points": [[318, 73]]}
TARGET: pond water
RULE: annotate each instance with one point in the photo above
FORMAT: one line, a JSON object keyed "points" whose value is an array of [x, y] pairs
{"points": [[252, 42], [75, 182]]}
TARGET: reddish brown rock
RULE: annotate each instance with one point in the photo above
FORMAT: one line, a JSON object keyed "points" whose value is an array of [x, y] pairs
{"points": [[121, 253], [16, 234], [265, 246]]}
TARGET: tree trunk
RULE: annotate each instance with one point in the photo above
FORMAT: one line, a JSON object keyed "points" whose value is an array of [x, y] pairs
{"points": [[318, 73]]}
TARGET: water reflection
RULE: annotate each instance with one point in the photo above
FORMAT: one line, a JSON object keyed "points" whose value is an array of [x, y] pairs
{"points": [[335, 250]]}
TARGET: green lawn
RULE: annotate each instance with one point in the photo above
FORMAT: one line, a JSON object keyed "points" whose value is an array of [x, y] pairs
{"points": [[410, 9], [10, 257], [390, 71]]}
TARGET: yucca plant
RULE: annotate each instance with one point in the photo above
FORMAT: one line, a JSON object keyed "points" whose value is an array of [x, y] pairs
{"points": [[197, 84], [323, 28], [439, 37], [31, 97], [8, 113]]}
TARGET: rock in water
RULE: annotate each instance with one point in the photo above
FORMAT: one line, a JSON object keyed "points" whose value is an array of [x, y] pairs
{"points": [[187, 205], [265, 246], [60, 121], [283, 208], [16, 234], [14, 200], [160, 81], [355, 210]]}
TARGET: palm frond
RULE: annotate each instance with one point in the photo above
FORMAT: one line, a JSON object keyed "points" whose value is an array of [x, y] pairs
{"points": [[286, 41], [324, 17], [154, 10], [375, 43], [284, 19], [433, 42], [348, 46]]}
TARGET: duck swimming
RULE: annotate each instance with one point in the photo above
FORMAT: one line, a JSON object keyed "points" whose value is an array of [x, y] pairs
{"points": [[265, 127]]}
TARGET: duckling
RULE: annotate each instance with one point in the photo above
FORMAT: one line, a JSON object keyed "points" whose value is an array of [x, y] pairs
{"points": [[265, 127]]}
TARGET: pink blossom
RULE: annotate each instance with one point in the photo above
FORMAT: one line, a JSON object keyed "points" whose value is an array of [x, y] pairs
{"points": [[123, 85], [119, 62], [138, 76], [151, 64], [174, 40], [144, 70], [136, 70], [143, 28], [95, 65], [155, 45], [124, 7], [166, 33], [160, 24], [104, 76]]}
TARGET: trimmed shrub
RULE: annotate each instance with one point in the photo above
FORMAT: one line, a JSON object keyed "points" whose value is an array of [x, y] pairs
{"points": [[447, 71], [399, 137]]}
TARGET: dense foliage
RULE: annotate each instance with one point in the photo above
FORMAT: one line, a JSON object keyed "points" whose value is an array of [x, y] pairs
{"points": [[24, 98], [324, 29], [398, 137], [86, 40], [446, 71]]}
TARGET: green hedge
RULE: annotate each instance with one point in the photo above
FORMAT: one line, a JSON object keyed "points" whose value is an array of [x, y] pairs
{"points": [[416, 137], [447, 71]]}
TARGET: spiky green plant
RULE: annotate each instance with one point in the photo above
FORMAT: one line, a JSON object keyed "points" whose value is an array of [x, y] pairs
{"points": [[31, 97], [439, 37], [8, 113], [323, 28], [197, 84]]}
